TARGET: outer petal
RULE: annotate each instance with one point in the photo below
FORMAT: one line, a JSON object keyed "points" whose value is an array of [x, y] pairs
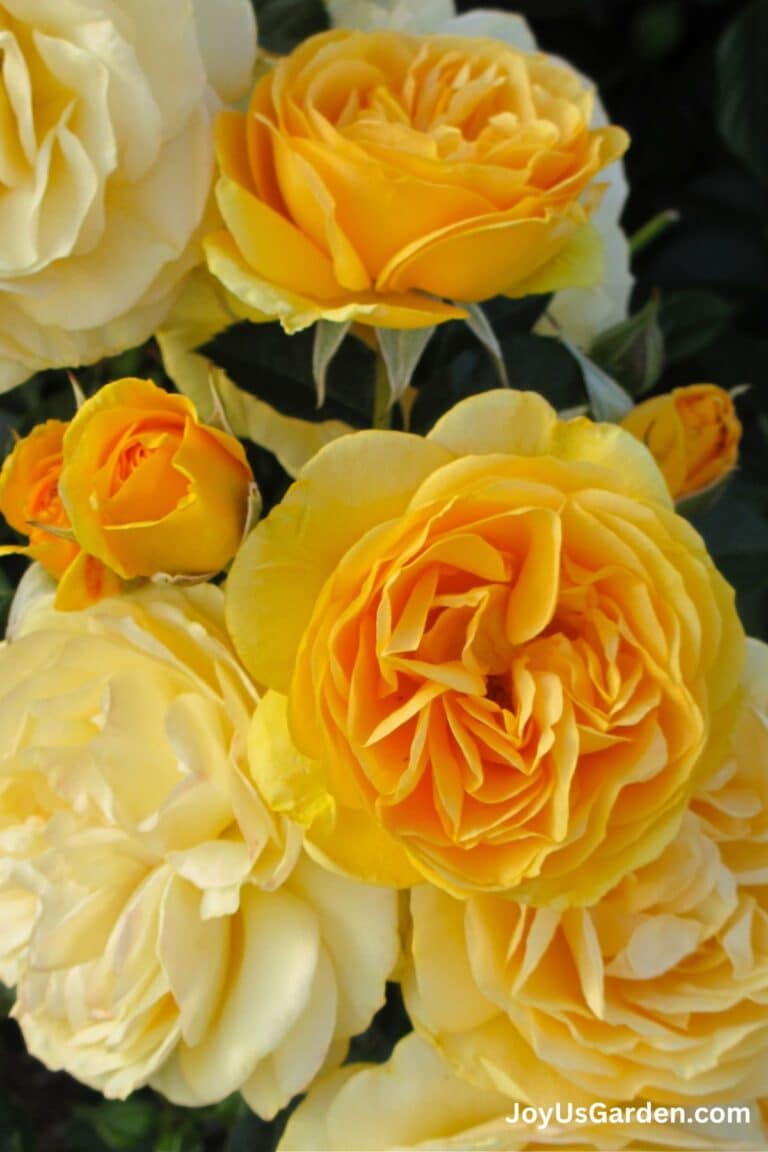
{"points": [[583, 313], [466, 263], [297, 1059], [360, 932], [523, 423], [226, 33], [267, 991], [260, 298], [351, 485], [344, 840], [496, 25]]}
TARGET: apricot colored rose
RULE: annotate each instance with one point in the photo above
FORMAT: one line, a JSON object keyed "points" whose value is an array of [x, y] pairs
{"points": [[378, 175], [658, 991], [150, 489], [500, 652], [693, 433], [30, 501]]}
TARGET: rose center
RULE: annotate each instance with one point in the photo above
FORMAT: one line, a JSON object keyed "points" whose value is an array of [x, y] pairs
{"points": [[499, 690], [130, 459], [45, 506]]}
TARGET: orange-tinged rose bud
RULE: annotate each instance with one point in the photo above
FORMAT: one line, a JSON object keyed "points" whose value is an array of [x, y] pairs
{"points": [[148, 488], [30, 501], [693, 433]]}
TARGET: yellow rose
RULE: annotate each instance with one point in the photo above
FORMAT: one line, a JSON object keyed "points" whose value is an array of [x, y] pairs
{"points": [[175, 932], [658, 991], [693, 433], [106, 166], [379, 175], [583, 312], [501, 651], [416, 1101], [150, 489]]}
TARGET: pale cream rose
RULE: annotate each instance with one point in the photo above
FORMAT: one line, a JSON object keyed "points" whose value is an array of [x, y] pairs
{"points": [[416, 1101], [579, 313], [659, 990], [733, 804], [169, 929], [106, 160]]}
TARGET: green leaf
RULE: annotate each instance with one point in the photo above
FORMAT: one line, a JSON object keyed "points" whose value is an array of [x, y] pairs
{"points": [[12, 1137], [607, 399], [285, 23], [657, 29], [691, 321], [184, 1138], [742, 78], [121, 1123], [633, 352]]}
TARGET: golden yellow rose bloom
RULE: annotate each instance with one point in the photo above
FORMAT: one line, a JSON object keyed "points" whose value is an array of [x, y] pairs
{"points": [[150, 489], [658, 991], [693, 433], [378, 175], [501, 651], [29, 497], [161, 924]]}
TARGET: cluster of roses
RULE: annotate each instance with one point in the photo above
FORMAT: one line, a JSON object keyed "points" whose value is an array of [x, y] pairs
{"points": [[472, 711]]}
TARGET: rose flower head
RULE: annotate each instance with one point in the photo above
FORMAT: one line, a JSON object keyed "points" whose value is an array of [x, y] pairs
{"points": [[150, 489], [379, 176], [106, 166], [496, 652], [693, 433], [134, 486], [658, 991], [161, 924]]}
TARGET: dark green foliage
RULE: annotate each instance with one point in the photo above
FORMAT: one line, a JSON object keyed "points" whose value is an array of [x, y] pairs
{"points": [[633, 352], [278, 369], [284, 23], [743, 86]]}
